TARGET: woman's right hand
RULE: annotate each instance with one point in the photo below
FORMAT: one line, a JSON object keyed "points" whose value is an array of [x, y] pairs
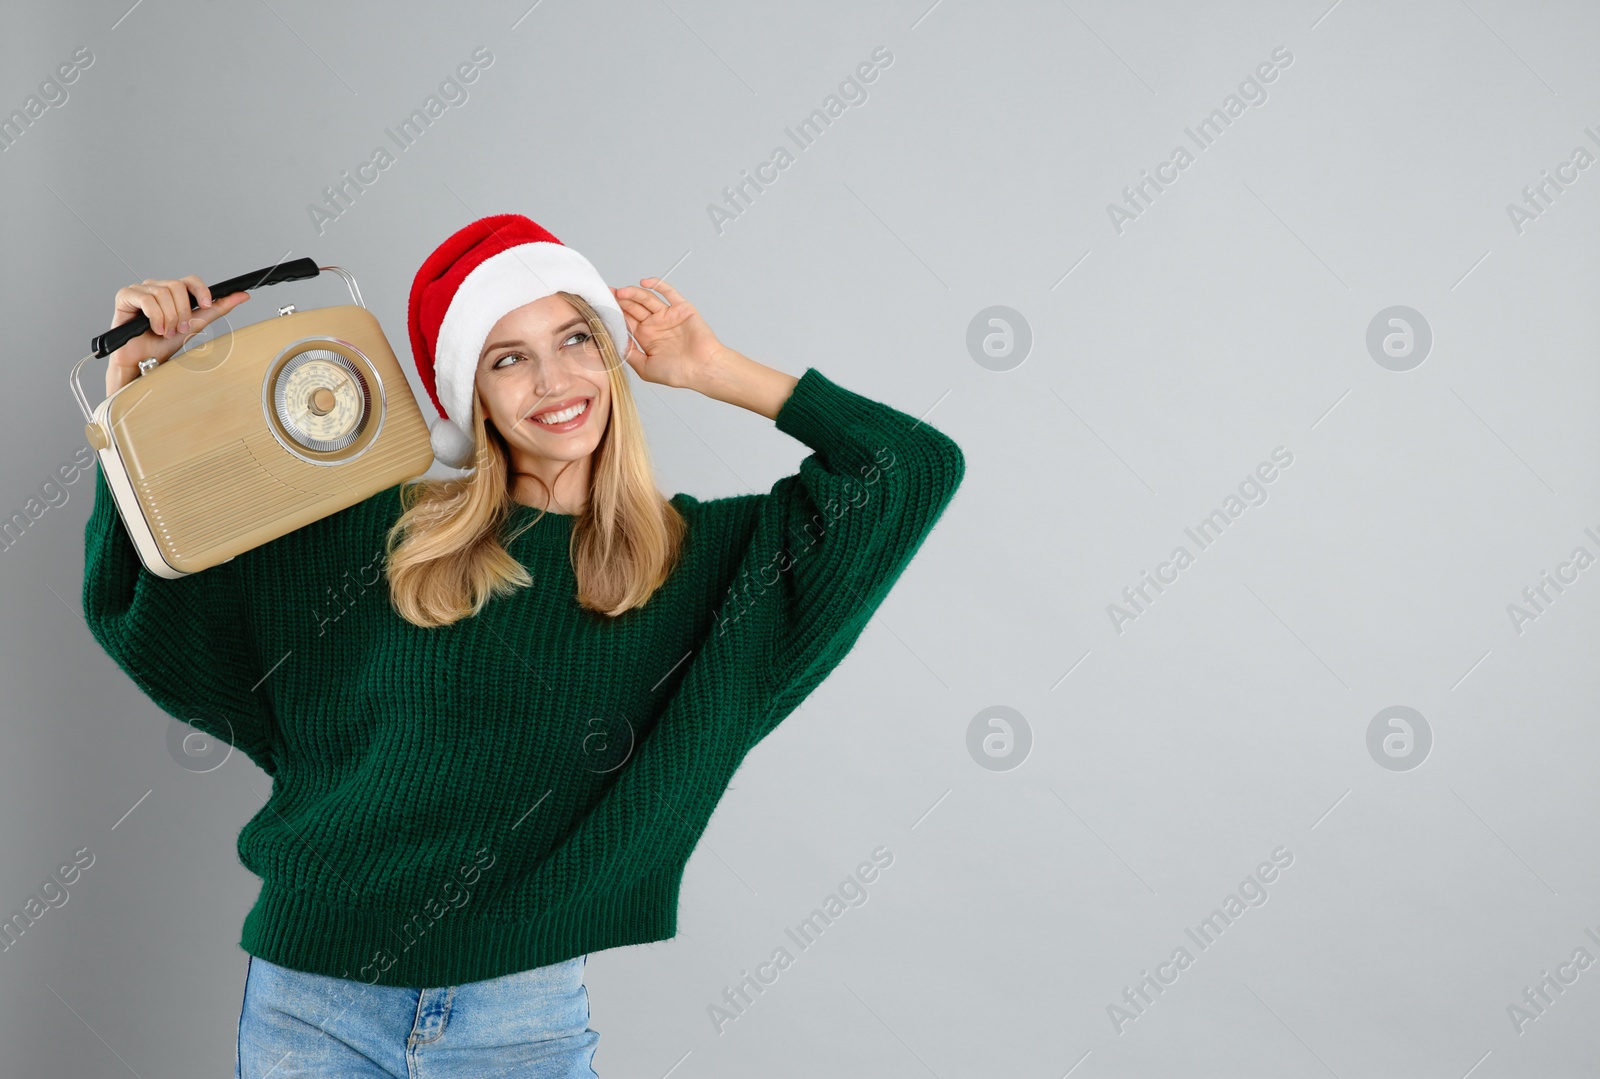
{"points": [[172, 322]]}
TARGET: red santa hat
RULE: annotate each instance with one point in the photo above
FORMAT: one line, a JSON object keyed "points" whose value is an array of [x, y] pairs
{"points": [[486, 270]]}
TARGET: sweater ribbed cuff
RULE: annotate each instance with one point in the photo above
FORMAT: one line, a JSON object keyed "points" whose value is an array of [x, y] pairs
{"points": [[816, 406]]}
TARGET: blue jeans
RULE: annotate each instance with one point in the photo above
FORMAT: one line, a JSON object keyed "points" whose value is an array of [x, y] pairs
{"points": [[533, 1024]]}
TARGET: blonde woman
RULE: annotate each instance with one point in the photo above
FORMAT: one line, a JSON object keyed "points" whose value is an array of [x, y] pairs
{"points": [[499, 710]]}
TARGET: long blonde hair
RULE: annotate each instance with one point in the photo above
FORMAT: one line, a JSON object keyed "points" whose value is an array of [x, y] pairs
{"points": [[446, 558]]}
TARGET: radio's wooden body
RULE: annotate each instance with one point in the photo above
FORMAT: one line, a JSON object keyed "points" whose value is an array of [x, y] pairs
{"points": [[201, 465]]}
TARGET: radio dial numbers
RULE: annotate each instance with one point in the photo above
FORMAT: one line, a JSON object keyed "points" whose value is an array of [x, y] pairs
{"points": [[322, 400]]}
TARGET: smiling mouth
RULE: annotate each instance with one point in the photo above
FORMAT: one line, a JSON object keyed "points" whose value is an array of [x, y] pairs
{"points": [[561, 415]]}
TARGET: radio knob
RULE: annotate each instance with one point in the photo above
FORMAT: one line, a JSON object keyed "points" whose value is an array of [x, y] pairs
{"points": [[96, 436], [321, 400]]}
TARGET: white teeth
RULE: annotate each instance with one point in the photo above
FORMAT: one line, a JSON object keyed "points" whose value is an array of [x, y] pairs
{"points": [[563, 416]]}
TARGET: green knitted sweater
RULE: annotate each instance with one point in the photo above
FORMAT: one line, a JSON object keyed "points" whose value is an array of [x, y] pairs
{"points": [[527, 784]]}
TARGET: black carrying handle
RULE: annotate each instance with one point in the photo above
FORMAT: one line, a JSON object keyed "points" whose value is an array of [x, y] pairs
{"points": [[117, 336]]}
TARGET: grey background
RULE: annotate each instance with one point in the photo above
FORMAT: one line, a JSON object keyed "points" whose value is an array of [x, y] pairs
{"points": [[1168, 760]]}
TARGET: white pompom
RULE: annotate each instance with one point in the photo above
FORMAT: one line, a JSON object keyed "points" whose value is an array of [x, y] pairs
{"points": [[451, 445]]}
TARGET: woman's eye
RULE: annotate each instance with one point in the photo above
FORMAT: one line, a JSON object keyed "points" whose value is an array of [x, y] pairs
{"points": [[584, 339]]}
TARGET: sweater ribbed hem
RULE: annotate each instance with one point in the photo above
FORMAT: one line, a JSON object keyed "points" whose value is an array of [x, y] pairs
{"points": [[298, 931]]}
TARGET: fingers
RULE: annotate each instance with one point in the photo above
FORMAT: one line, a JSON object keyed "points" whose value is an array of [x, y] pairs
{"points": [[201, 319], [178, 293], [632, 308], [127, 305], [149, 302], [633, 302], [166, 303], [158, 307], [157, 302], [662, 287], [198, 287], [644, 297], [635, 310]]}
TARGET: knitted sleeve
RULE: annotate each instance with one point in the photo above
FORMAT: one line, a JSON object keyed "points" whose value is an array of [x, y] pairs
{"points": [[185, 642], [831, 540]]}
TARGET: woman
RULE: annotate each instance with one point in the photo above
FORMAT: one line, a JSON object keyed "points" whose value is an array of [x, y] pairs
{"points": [[498, 711]]}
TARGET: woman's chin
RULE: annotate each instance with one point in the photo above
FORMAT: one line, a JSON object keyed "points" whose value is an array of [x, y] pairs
{"points": [[558, 447]]}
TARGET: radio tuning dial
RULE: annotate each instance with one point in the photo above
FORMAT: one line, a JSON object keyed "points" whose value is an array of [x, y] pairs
{"points": [[322, 400]]}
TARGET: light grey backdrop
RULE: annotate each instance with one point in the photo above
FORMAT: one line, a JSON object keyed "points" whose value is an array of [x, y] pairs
{"points": [[1431, 869]]}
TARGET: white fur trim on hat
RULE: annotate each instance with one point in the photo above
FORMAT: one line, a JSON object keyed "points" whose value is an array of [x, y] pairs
{"points": [[497, 286]]}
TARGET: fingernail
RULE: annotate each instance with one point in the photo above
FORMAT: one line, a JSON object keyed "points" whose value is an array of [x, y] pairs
{"points": [[183, 327]]}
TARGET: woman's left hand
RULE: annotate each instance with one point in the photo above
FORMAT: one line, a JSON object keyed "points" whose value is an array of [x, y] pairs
{"points": [[679, 348]]}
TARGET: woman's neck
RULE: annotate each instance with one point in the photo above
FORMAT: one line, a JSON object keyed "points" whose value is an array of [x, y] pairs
{"points": [[556, 486]]}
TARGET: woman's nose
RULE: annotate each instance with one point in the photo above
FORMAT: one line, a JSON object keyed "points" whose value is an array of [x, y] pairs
{"points": [[539, 374]]}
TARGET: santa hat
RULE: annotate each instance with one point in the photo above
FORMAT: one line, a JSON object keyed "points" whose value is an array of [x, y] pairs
{"points": [[487, 269]]}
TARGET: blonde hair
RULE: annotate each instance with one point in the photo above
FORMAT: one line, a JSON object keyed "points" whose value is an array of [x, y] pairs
{"points": [[446, 558]]}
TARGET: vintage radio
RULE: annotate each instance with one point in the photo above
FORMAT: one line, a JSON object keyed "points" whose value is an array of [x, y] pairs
{"points": [[254, 433]]}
